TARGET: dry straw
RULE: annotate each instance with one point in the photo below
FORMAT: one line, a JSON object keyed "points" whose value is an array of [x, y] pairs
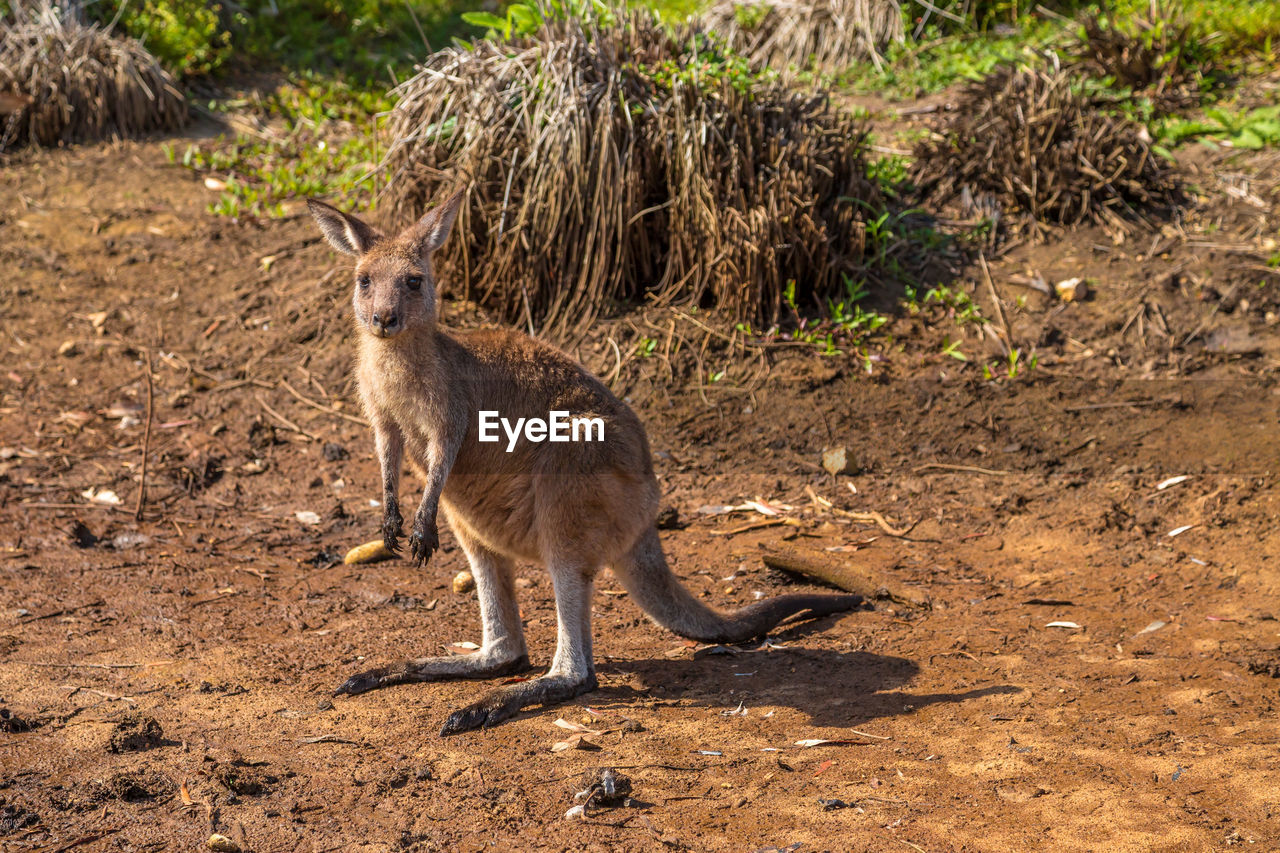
{"points": [[827, 34], [1033, 142], [83, 81], [590, 185]]}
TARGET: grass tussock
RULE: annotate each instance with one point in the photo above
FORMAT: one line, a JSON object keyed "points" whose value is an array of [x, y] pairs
{"points": [[616, 163], [79, 82], [1030, 140], [826, 35]]}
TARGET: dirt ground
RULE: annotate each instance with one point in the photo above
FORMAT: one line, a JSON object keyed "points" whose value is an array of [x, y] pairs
{"points": [[168, 678]]}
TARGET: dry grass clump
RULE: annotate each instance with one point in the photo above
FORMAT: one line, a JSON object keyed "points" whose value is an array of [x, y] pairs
{"points": [[603, 167], [1040, 147], [825, 34], [82, 81]]}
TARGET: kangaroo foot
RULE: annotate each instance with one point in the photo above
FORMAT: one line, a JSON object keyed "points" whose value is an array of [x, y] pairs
{"points": [[506, 702], [478, 665]]}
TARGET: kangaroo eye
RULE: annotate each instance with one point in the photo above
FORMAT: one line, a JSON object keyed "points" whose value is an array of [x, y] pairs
{"points": [[414, 282], [363, 281]]}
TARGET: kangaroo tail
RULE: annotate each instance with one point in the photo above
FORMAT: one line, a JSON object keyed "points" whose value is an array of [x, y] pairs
{"points": [[644, 573]]}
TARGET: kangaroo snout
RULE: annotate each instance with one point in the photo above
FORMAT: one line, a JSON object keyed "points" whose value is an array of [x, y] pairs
{"points": [[385, 323]]}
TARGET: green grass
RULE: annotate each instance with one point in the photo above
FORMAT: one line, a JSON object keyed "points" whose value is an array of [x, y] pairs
{"points": [[328, 148], [1250, 130], [1235, 27], [358, 40], [919, 68]]}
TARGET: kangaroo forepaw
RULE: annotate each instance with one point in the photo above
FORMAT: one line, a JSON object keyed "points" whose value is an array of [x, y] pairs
{"points": [[391, 524], [423, 541]]}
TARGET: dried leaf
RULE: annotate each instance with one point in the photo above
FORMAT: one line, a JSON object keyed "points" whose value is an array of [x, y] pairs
{"points": [[1154, 626], [105, 496], [1062, 625], [1172, 481], [1178, 531], [576, 742], [765, 508], [466, 647], [575, 727]]}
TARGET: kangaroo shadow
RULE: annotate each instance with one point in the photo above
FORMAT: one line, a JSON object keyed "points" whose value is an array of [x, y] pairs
{"points": [[833, 688]]}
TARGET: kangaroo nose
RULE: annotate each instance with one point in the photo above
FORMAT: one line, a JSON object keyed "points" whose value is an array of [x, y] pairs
{"points": [[385, 321]]}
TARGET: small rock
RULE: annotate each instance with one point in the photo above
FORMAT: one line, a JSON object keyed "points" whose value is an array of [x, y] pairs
{"points": [[838, 460], [668, 519], [262, 435], [11, 724], [81, 536], [129, 539], [334, 452], [222, 844], [324, 558], [463, 582], [369, 552], [69, 349], [1072, 289]]}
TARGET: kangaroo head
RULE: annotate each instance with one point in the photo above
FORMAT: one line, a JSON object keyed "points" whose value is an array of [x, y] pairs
{"points": [[395, 289]]}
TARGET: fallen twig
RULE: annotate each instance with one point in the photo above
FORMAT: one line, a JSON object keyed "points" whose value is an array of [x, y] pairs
{"points": [[313, 404], [288, 424], [939, 466], [878, 519], [756, 525], [842, 575], [995, 299], [75, 688], [94, 665], [65, 611], [146, 443], [1117, 404]]}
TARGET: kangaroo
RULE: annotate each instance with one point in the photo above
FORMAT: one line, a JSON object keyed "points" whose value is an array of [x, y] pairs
{"points": [[573, 507]]}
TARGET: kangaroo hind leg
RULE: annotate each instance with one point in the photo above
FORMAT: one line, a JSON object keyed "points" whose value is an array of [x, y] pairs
{"points": [[502, 648], [572, 671]]}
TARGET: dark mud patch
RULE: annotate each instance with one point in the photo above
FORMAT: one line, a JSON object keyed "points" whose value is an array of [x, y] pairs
{"points": [[131, 787], [14, 818], [135, 733], [11, 723]]}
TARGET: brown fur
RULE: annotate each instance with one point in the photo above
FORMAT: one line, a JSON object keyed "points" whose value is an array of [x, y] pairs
{"points": [[573, 507]]}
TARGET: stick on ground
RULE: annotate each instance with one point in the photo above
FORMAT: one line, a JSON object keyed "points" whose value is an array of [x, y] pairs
{"points": [[839, 574], [146, 442]]}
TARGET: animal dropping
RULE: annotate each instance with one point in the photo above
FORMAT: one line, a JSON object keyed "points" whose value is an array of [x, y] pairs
{"points": [[572, 506]]}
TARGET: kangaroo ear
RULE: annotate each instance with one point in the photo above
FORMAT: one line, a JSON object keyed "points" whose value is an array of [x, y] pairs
{"points": [[346, 233], [430, 232]]}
